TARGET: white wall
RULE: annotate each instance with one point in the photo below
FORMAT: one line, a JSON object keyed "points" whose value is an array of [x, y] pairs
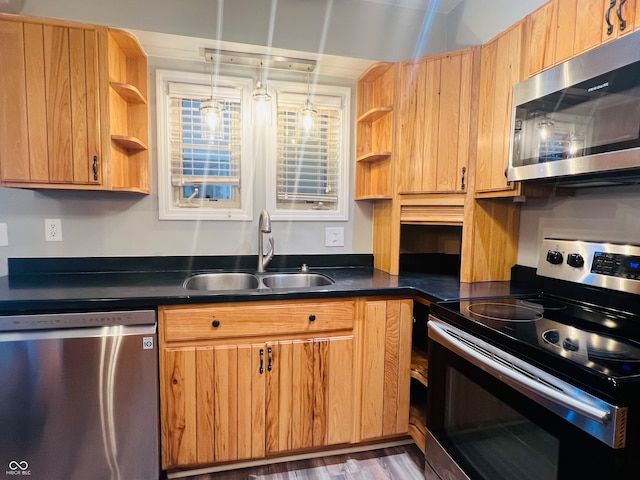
{"points": [[599, 214], [473, 22], [349, 28]]}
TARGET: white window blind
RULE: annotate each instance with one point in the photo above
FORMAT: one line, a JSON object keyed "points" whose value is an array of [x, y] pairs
{"points": [[307, 168], [202, 174], [309, 171], [204, 168]]}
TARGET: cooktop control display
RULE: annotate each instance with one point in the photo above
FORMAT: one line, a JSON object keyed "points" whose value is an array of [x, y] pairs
{"points": [[616, 265]]}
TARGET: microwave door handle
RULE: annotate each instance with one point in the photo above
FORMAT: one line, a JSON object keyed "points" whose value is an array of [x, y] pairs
{"points": [[517, 380]]}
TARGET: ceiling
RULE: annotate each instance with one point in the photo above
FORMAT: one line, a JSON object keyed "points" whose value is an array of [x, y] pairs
{"points": [[440, 6]]}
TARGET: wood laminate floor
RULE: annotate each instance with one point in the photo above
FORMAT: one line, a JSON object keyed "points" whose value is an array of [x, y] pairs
{"points": [[395, 463]]}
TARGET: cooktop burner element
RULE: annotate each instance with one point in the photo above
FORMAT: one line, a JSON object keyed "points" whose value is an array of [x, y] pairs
{"points": [[509, 312]]}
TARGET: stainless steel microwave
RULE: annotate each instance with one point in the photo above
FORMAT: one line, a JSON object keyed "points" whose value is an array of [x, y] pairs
{"points": [[579, 123]]}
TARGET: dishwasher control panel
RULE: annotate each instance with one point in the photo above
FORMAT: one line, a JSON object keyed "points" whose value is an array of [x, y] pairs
{"points": [[50, 321]]}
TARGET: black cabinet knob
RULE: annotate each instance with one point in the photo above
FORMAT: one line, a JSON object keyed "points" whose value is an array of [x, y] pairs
{"points": [[215, 323], [575, 260], [554, 257], [312, 318]]}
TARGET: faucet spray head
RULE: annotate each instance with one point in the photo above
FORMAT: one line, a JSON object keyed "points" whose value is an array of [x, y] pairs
{"points": [[265, 222]]}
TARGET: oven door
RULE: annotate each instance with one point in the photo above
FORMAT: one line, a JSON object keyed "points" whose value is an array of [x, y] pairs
{"points": [[483, 426]]}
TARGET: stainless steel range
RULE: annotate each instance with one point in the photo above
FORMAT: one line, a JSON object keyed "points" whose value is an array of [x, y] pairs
{"points": [[543, 386]]}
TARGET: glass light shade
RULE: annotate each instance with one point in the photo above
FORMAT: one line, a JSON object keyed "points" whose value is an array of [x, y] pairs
{"points": [[260, 93], [308, 121], [212, 112]]}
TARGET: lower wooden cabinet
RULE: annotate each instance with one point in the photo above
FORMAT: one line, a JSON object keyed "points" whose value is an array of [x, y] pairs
{"points": [[236, 392], [386, 363], [311, 374]]}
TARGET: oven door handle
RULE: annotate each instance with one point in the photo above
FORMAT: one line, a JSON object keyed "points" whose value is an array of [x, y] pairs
{"points": [[512, 377]]}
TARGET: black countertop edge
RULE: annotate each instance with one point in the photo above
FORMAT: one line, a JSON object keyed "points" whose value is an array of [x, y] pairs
{"points": [[31, 294], [190, 263]]}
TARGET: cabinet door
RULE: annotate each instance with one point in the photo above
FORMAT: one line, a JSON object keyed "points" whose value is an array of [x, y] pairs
{"points": [[454, 122], [52, 104], [411, 119], [14, 141], [500, 71], [582, 25], [542, 27], [309, 393], [623, 19], [386, 368], [435, 111], [213, 404]]}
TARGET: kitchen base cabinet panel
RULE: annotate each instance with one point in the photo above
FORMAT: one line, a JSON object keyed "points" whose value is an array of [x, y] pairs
{"points": [[231, 399], [386, 368]]}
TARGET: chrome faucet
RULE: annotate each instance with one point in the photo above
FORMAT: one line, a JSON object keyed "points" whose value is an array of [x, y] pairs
{"points": [[264, 226]]}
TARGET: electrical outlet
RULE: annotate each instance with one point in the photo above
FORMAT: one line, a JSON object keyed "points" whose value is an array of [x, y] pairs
{"points": [[334, 237], [53, 229]]}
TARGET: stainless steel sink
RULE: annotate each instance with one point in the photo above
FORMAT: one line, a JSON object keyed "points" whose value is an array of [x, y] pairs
{"points": [[222, 281], [295, 280], [249, 281]]}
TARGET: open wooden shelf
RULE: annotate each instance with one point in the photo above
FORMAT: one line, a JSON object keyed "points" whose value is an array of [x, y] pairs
{"points": [[129, 93], [418, 424], [374, 114], [420, 366], [130, 143], [373, 157]]}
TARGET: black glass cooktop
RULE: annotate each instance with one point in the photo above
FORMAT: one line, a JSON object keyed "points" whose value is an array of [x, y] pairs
{"points": [[599, 341]]}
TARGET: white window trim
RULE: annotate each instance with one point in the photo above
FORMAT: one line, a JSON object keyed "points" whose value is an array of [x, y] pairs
{"points": [[168, 211], [341, 213]]}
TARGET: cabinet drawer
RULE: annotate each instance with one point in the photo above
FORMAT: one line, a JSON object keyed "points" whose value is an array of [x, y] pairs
{"points": [[201, 322]]}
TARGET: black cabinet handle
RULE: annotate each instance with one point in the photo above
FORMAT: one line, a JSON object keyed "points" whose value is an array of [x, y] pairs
{"points": [[269, 350], [215, 323], [312, 318], [261, 361], [95, 168], [464, 174], [607, 17], [623, 22]]}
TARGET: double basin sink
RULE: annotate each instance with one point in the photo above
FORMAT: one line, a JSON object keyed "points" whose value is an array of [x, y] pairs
{"points": [[250, 281]]}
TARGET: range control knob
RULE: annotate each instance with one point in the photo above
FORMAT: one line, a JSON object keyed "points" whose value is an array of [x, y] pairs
{"points": [[575, 260], [554, 257]]}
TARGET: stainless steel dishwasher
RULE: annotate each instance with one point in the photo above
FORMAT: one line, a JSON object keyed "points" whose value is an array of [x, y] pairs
{"points": [[79, 396]]}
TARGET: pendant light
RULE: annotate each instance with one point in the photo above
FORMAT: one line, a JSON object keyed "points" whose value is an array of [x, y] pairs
{"points": [[308, 116], [262, 97], [212, 112]]}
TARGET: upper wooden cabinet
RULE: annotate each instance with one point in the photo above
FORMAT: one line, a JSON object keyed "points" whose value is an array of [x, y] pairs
{"points": [[500, 70], [374, 130], [559, 30], [435, 117], [58, 119]]}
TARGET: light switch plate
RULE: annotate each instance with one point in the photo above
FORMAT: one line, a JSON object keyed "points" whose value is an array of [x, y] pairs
{"points": [[334, 237], [4, 236]]}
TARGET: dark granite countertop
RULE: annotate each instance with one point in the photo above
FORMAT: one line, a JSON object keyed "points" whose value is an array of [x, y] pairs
{"points": [[33, 287]]}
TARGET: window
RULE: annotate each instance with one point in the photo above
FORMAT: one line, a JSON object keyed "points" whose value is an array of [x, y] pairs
{"points": [[308, 173], [204, 168]]}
